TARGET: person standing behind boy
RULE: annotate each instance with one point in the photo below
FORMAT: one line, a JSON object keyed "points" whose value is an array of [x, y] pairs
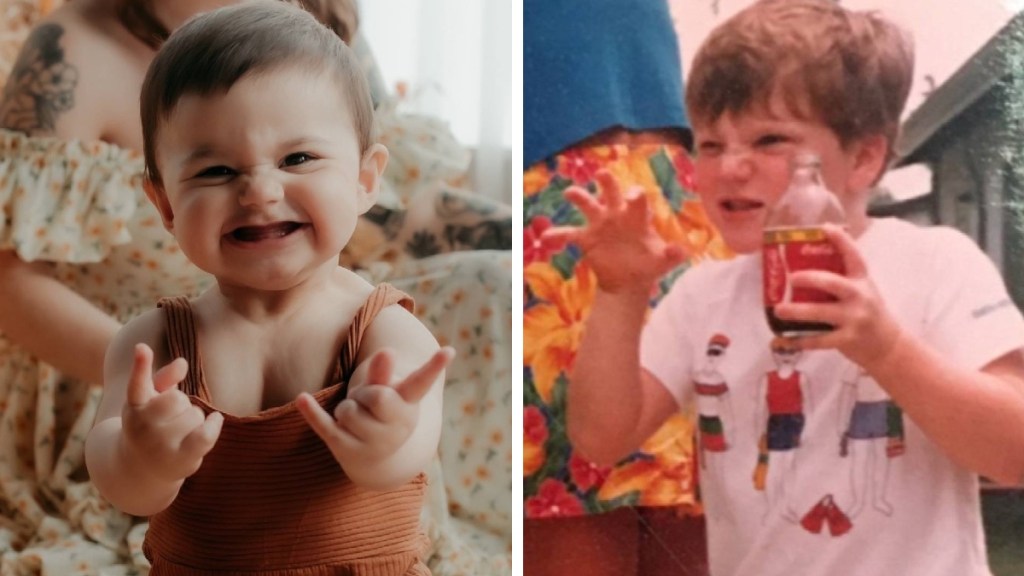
{"points": [[297, 405], [600, 96], [921, 310]]}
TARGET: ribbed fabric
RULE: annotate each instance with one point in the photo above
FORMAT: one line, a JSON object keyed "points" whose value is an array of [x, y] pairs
{"points": [[271, 500]]}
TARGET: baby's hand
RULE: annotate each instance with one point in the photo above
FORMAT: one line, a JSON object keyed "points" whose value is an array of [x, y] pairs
{"points": [[619, 241], [162, 432], [378, 417]]}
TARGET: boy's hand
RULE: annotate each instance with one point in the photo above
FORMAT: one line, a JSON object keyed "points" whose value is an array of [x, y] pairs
{"points": [[864, 329], [378, 417], [618, 242], [162, 432]]}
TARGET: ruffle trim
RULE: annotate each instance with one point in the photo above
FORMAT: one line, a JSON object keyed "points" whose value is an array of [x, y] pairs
{"points": [[66, 201]]}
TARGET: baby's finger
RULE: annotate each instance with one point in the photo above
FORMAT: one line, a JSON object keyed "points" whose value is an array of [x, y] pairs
{"points": [[140, 383], [381, 365], [358, 420], [416, 385], [201, 440], [317, 418], [170, 375]]}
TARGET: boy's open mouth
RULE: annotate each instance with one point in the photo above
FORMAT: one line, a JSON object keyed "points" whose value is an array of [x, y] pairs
{"points": [[740, 205], [267, 232]]}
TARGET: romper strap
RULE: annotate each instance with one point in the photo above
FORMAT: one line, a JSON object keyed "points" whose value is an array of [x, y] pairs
{"points": [[181, 341], [383, 295]]}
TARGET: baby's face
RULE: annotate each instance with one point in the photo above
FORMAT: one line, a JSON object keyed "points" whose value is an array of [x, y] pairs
{"points": [[264, 183], [743, 166]]}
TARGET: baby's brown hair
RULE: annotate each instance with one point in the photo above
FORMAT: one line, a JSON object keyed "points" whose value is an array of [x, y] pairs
{"points": [[850, 70]]}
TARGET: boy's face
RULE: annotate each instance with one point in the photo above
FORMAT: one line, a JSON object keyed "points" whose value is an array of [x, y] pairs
{"points": [[264, 184], [743, 166]]}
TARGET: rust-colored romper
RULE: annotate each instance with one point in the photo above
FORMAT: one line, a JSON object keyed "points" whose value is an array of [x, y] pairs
{"points": [[270, 499]]}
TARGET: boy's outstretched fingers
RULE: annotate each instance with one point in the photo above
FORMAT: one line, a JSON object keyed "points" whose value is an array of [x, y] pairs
{"points": [[585, 202], [416, 385], [562, 235], [608, 189]]}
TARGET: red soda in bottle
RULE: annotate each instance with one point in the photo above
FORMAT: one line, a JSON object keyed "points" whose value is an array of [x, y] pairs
{"points": [[794, 240]]}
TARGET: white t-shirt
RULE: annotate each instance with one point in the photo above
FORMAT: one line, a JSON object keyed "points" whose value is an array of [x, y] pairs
{"points": [[894, 504]]}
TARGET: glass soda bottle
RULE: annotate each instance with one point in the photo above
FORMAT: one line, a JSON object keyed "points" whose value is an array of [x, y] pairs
{"points": [[794, 240]]}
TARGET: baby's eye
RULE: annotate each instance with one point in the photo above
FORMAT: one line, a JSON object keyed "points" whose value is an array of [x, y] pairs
{"points": [[215, 172], [297, 158]]}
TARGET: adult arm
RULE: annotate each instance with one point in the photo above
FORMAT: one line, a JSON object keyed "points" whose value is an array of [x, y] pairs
{"points": [[45, 96], [51, 321]]}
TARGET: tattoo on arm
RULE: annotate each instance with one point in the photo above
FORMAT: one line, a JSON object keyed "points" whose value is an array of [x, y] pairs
{"points": [[41, 86]]}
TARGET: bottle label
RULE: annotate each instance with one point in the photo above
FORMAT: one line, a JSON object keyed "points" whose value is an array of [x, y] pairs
{"points": [[789, 250]]}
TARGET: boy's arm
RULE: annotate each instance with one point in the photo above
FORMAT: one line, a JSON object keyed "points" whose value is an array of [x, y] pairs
{"points": [[417, 363], [614, 404], [976, 417], [131, 485]]}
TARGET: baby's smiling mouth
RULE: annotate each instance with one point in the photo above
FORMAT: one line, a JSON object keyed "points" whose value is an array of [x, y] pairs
{"points": [[266, 232]]}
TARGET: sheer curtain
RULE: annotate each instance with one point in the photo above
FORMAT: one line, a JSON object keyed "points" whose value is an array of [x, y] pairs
{"points": [[459, 60]]}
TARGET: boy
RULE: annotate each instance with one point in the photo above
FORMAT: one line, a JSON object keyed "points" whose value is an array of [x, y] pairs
{"points": [[921, 311], [293, 436]]}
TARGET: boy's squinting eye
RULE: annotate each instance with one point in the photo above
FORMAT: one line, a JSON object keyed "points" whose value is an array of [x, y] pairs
{"points": [[296, 159], [709, 148], [772, 139]]}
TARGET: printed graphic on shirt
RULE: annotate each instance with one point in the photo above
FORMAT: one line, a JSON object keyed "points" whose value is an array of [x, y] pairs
{"points": [[783, 398], [715, 422], [713, 401], [826, 512], [871, 435]]}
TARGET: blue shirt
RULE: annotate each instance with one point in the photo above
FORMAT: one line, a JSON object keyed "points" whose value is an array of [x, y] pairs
{"points": [[590, 65]]}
